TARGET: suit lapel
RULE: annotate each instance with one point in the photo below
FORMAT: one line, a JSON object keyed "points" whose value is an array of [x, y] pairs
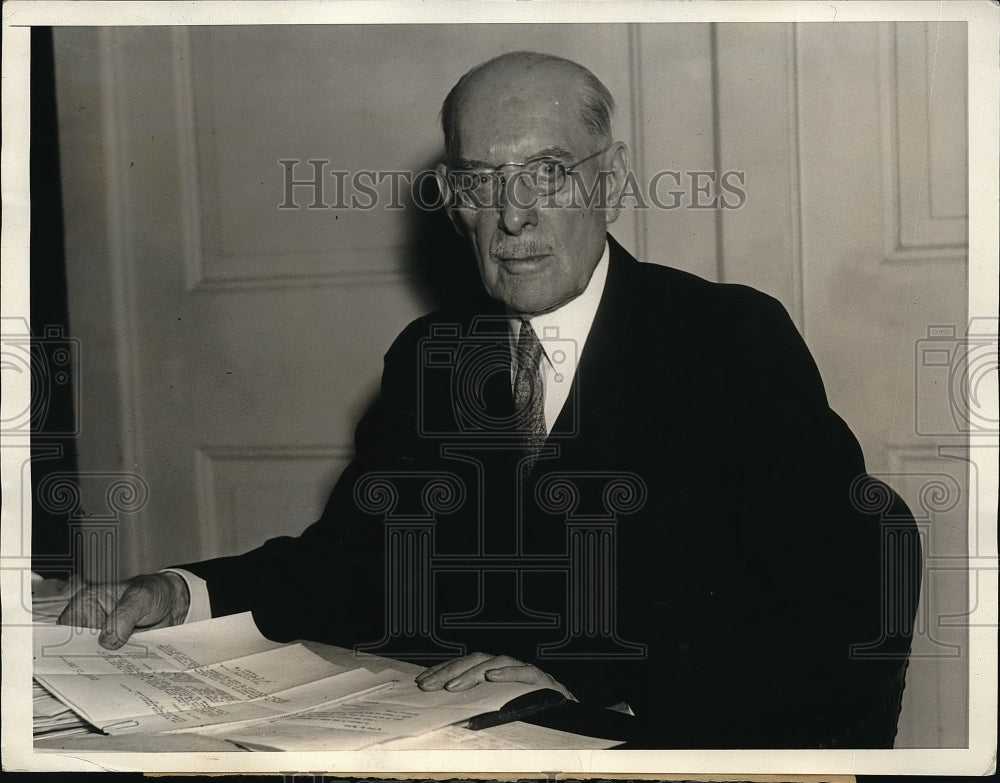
{"points": [[587, 427]]}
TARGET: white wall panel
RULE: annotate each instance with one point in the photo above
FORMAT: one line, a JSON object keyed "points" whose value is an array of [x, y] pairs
{"points": [[924, 141], [244, 492], [758, 135]]}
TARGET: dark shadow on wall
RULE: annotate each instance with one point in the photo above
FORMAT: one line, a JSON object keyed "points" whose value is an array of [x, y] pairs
{"points": [[54, 360], [440, 260]]}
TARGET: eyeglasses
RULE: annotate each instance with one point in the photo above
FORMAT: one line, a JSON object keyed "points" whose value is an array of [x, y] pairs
{"points": [[482, 188]]}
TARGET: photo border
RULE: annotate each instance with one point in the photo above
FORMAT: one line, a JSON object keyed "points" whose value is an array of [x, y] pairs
{"points": [[984, 249]]}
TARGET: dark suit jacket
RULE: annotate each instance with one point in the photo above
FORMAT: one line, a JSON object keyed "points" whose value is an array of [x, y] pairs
{"points": [[701, 541]]}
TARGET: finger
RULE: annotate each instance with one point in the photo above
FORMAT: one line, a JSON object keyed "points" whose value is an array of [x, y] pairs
{"points": [[435, 680], [88, 608], [121, 622], [531, 675], [458, 664], [432, 670], [477, 674], [82, 612]]}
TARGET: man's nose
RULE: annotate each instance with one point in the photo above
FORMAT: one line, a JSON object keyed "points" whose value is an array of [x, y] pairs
{"points": [[518, 204]]}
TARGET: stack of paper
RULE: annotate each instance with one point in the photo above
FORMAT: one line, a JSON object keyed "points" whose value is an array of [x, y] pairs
{"points": [[52, 718], [402, 710], [222, 677], [173, 679]]}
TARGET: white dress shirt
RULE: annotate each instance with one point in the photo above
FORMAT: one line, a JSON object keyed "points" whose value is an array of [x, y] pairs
{"points": [[563, 334]]}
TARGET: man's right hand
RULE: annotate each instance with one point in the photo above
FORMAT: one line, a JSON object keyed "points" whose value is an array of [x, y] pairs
{"points": [[150, 601]]}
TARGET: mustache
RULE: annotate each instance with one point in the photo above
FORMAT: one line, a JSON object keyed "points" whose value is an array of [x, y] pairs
{"points": [[519, 249]]}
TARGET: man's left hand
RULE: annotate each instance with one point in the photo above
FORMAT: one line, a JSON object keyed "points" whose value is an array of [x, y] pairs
{"points": [[464, 673]]}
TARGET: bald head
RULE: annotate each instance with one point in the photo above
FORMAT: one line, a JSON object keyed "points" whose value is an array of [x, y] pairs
{"points": [[524, 84]]}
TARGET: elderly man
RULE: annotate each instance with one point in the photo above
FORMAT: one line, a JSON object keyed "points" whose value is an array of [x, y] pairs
{"points": [[619, 480]]}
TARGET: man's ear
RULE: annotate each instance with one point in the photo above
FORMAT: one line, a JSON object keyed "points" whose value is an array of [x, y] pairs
{"points": [[447, 197], [616, 162]]}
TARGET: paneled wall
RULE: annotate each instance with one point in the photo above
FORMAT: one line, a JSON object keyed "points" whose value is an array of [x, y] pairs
{"points": [[853, 139], [231, 340]]}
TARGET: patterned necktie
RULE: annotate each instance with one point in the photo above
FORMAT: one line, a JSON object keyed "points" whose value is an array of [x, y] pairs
{"points": [[529, 394]]}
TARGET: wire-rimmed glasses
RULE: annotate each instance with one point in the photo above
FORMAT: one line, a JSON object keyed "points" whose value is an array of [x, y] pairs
{"points": [[482, 188]]}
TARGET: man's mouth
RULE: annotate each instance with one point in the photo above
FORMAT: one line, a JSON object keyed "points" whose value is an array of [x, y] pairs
{"points": [[516, 261]]}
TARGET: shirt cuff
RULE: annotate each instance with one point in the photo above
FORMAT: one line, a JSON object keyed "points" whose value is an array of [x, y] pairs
{"points": [[199, 604]]}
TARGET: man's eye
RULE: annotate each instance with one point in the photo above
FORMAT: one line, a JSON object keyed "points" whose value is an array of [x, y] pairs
{"points": [[465, 181], [548, 168]]}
